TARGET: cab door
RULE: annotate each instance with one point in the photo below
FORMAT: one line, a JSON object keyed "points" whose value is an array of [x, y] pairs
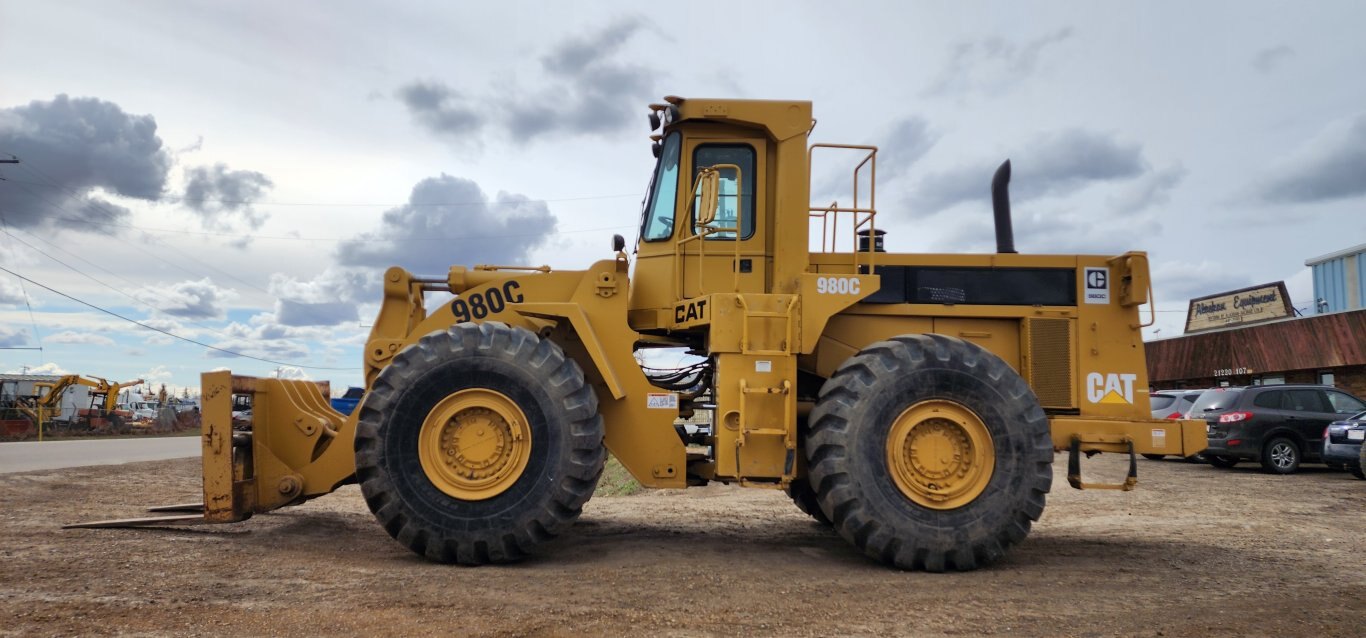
{"points": [[729, 254]]}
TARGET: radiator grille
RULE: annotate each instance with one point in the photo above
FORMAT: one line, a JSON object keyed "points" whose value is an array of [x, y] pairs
{"points": [[1049, 348]]}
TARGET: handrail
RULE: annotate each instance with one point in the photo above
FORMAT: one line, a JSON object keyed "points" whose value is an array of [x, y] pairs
{"points": [[861, 215], [700, 236]]}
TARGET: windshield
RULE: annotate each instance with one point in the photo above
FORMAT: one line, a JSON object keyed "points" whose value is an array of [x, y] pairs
{"points": [[1213, 400], [659, 210]]}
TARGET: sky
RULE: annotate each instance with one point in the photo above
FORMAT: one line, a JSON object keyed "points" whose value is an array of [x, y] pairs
{"points": [[240, 174]]}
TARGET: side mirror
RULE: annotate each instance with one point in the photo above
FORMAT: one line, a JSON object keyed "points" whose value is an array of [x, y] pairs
{"points": [[618, 243], [706, 190]]}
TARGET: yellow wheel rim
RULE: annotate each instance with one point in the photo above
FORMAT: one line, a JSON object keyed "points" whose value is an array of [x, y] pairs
{"points": [[474, 444], [940, 454]]}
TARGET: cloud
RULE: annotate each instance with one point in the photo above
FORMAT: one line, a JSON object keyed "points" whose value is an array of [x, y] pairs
{"points": [[50, 368], [290, 372], [991, 65], [1184, 280], [11, 337], [1331, 166], [901, 147], [909, 140], [331, 298], [197, 299], [68, 336], [157, 373], [449, 220], [1053, 164], [169, 325], [1266, 60], [71, 148], [293, 313], [1152, 189], [440, 109], [586, 90], [10, 292], [594, 93], [277, 349], [219, 195]]}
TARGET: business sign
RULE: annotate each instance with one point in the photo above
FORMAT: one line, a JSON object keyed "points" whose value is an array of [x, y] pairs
{"points": [[1239, 307]]}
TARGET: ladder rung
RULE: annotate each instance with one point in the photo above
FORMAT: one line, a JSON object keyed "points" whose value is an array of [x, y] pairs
{"points": [[767, 432]]}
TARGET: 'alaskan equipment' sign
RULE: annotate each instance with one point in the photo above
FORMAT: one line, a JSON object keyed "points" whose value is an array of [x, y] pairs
{"points": [[1240, 307]]}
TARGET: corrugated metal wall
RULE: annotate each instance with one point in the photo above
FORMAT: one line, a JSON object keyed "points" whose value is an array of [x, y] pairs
{"points": [[1341, 283]]}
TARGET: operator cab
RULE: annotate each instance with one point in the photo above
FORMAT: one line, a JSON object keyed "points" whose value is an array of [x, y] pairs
{"points": [[712, 153]]}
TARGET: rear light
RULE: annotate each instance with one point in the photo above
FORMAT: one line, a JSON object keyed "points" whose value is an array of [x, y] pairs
{"points": [[1234, 417], [1174, 415], [1234, 442], [1325, 432]]}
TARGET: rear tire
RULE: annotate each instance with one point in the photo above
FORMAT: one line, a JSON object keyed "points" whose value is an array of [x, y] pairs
{"points": [[1224, 462], [1360, 471], [477, 444], [1280, 456], [929, 452]]}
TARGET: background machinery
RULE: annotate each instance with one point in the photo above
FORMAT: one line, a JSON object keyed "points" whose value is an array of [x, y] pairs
{"points": [[912, 401], [102, 413]]}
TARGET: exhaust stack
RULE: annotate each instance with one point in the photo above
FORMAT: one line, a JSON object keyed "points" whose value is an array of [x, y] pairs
{"points": [[1000, 205]]}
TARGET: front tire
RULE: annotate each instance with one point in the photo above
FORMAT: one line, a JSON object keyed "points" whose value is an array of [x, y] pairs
{"points": [[801, 493], [929, 452], [477, 444], [1281, 456]]}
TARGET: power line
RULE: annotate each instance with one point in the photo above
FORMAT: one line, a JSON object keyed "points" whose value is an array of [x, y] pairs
{"points": [[166, 332], [4, 225], [111, 215], [96, 280], [334, 239], [199, 200]]}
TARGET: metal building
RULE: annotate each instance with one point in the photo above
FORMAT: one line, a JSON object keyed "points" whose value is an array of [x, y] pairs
{"points": [[1339, 280]]}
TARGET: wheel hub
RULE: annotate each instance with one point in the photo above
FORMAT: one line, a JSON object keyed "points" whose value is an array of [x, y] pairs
{"points": [[474, 444], [940, 454]]}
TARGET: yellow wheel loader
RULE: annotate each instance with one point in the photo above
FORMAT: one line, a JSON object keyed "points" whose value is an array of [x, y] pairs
{"points": [[914, 402]]}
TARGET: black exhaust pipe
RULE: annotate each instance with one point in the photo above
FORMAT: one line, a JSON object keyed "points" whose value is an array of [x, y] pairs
{"points": [[1000, 204]]}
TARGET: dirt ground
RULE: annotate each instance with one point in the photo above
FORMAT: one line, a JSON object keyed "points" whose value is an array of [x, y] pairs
{"points": [[1195, 551]]}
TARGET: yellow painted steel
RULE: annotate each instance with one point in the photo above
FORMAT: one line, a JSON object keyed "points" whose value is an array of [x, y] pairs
{"points": [[776, 310], [474, 444], [1149, 436], [940, 454]]}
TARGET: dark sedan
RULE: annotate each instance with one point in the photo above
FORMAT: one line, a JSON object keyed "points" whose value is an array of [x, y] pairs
{"points": [[1342, 444]]}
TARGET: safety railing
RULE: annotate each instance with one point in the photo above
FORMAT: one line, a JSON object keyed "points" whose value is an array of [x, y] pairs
{"points": [[861, 216]]}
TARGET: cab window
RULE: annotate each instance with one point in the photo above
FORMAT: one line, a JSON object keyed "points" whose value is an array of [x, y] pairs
{"points": [[731, 206], [659, 213]]}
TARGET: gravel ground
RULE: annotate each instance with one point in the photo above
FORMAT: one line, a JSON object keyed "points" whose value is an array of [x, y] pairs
{"points": [[1195, 551]]}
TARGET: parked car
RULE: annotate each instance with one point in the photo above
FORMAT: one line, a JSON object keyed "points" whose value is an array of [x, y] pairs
{"points": [[1342, 444], [1171, 404], [1279, 426]]}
